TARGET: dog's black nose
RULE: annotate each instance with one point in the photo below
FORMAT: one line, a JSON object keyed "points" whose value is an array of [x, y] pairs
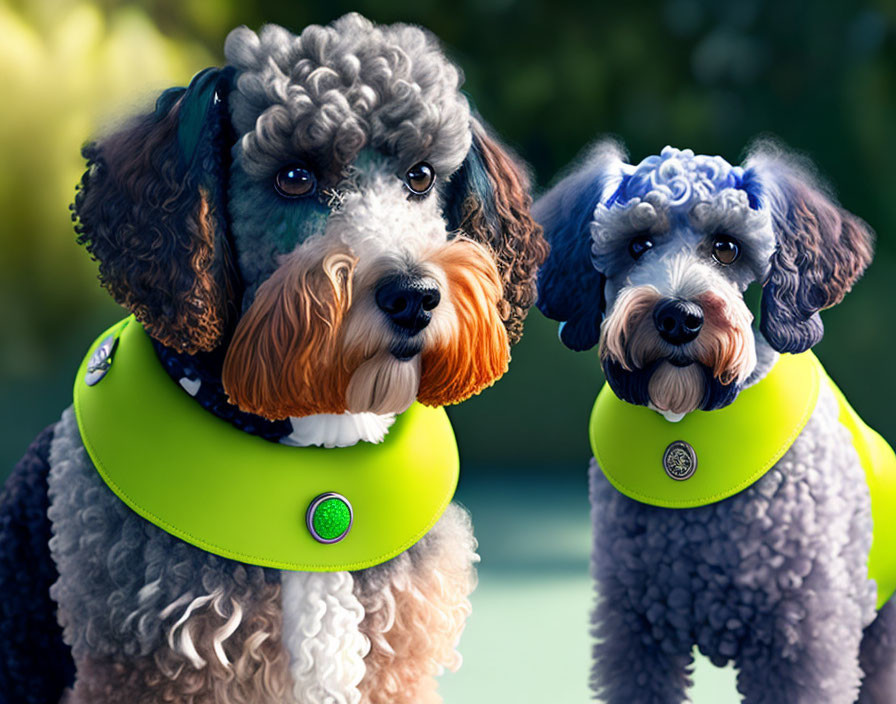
{"points": [[678, 321], [408, 301]]}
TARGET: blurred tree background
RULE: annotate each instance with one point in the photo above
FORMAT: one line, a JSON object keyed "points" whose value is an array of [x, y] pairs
{"points": [[550, 77]]}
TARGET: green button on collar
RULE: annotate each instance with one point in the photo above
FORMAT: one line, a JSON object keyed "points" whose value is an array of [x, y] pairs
{"points": [[329, 518]]}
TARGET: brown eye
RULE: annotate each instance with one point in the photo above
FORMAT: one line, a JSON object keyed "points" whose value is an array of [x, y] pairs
{"points": [[295, 181], [725, 250], [638, 245], [419, 178]]}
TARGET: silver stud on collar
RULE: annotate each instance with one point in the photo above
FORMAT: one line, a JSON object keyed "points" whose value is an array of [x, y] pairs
{"points": [[680, 461], [100, 360]]}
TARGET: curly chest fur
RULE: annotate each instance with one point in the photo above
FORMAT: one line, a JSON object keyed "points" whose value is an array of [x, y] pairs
{"points": [[167, 618]]}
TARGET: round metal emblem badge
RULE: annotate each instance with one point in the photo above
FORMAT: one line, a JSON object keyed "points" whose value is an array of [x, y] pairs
{"points": [[680, 461]]}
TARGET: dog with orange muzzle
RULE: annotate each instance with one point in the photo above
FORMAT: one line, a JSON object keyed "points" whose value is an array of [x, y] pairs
{"points": [[310, 240]]}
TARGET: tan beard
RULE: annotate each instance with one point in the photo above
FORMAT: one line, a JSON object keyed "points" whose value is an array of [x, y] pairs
{"points": [[676, 389]]}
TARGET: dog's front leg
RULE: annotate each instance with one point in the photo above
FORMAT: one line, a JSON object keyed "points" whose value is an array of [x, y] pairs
{"points": [[643, 652], [630, 664], [802, 644], [778, 665]]}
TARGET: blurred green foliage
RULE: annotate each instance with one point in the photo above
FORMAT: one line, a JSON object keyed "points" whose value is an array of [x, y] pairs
{"points": [[550, 77], [65, 69]]}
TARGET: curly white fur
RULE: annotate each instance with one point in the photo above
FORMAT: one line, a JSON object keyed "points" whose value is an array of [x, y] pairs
{"points": [[180, 631], [338, 430], [180, 637], [321, 619]]}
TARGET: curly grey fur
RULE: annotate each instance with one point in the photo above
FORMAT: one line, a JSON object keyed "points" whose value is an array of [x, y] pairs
{"points": [[117, 571], [331, 91], [773, 578]]}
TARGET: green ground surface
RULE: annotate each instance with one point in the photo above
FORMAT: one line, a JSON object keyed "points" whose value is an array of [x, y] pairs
{"points": [[527, 640]]}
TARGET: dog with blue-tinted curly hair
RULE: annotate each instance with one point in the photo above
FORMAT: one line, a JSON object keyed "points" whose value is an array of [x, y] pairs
{"points": [[246, 502], [739, 504]]}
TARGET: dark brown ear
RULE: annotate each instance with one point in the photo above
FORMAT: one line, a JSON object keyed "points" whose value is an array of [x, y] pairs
{"points": [[488, 200], [821, 249], [150, 209]]}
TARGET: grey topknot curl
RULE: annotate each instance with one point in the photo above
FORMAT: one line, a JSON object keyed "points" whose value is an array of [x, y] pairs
{"points": [[333, 90]]}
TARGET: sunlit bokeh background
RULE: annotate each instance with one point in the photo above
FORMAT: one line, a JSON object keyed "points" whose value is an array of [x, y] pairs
{"points": [[550, 77]]}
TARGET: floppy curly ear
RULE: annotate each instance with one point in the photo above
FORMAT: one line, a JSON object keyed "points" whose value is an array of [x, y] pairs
{"points": [[488, 200], [570, 289], [150, 209], [821, 250]]}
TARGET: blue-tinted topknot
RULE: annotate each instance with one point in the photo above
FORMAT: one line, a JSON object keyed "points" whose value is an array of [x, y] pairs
{"points": [[750, 184], [619, 196]]}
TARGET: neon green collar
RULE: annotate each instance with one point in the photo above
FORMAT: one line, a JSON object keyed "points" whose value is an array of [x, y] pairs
{"points": [[708, 455], [242, 497]]}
